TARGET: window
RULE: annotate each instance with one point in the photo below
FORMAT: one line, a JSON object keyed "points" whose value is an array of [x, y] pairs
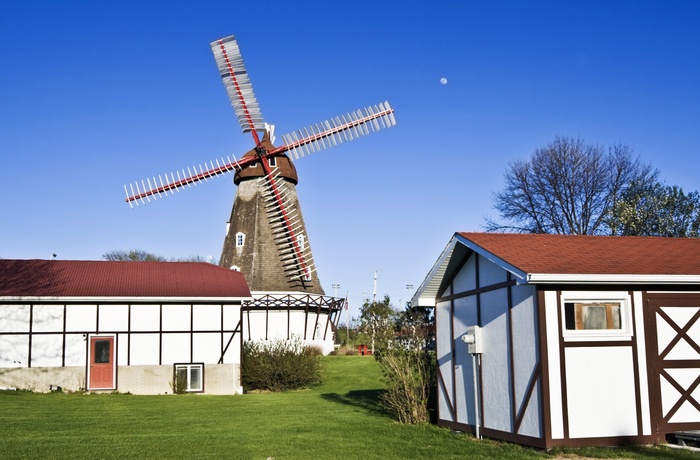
{"points": [[307, 274], [272, 161], [240, 239], [300, 241], [591, 316], [188, 378]]}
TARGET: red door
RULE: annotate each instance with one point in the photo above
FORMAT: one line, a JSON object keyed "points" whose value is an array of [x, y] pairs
{"points": [[101, 363]]}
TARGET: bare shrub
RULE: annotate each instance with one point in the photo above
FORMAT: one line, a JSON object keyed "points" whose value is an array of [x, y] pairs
{"points": [[280, 365]]}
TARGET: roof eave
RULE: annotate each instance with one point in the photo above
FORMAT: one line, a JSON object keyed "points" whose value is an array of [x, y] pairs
{"points": [[559, 278], [98, 299]]}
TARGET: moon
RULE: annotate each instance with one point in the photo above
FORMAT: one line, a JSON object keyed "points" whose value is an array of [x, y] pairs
{"points": [[443, 81]]}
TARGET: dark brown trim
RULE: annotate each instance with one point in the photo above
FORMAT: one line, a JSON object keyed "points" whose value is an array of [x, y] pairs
{"points": [[681, 333], [495, 434], [511, 355], [191, 332], [545, 395], [453, 354], [686, 395], [656, 365], [562, 370], [160, 335], [128, 335], [534, 377], [31, 327], [63, 344], [239, 328], [450, 402], [478, 290], [598, 343], [635, 366], [604, 441]]}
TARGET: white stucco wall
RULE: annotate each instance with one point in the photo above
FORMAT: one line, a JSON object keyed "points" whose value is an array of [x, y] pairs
{"points": [[42, 336]]}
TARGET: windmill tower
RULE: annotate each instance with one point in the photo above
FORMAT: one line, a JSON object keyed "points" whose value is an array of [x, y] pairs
{"points": [[266, 238]]}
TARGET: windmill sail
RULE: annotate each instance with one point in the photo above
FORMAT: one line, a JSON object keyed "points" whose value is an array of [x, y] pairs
{"points": [[240, 91], [299, 143], [338, 130]]}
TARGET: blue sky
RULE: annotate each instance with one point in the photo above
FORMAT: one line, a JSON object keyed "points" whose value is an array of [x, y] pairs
{"points": [[94, 95]]}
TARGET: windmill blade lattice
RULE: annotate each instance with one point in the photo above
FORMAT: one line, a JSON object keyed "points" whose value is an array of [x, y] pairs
{"points": [[287, 228], [338, 130], [240, 91], [313, 139]]}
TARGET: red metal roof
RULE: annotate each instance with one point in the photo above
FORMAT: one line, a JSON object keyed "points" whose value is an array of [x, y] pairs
{"points": [[605, 255], [84, 278]]}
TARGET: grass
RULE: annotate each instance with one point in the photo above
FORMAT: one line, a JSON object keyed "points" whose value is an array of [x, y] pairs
{"points": [[340, 419]]}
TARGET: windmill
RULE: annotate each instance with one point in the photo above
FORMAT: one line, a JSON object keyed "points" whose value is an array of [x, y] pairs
{"points": [[266, 238]]}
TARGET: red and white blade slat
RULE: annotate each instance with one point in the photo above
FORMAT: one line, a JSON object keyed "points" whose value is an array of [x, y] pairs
{"points": [[235, 77], [286, 228], [338, 130], [141, 192]]}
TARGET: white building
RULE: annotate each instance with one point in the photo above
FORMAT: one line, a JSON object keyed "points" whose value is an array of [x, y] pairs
{"points": [[120, 326], [580, 340]]}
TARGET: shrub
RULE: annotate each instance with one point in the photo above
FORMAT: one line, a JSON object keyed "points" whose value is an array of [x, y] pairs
{"points": [[280, 365], [409, 374]]}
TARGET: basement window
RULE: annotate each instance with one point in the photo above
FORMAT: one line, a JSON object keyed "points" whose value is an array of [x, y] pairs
{"points": [[592, 318], [188, 378]]}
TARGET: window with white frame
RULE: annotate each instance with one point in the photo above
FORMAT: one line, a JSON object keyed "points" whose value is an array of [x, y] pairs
{"points": [[301, 241], [240, 239], [188, 378], [272, 161], [592, 317]]}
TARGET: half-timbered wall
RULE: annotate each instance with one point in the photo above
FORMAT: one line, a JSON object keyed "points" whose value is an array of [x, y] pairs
{"points": [[509, 371], [55, 335], [598, 385]]}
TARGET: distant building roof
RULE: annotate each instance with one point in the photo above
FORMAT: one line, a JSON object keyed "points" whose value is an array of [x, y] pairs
{"points": [[570, 259], [83, 278]]}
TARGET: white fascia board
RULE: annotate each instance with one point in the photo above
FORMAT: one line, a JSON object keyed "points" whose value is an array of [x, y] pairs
{"points": [[426, 293], [521, 276], [554, 278], [7, 299]]}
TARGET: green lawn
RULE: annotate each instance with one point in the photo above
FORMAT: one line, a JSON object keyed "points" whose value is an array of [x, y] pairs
{"points": [[338, 420]]}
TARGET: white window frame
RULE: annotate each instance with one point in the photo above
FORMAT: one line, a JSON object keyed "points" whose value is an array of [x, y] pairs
{"points": [[589, 335], [301, 241], [240, 239], [272, 161], [189, 367]]}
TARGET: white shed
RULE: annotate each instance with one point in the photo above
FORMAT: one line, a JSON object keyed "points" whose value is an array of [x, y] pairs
{"points": [[120, 326], [580, 340]]}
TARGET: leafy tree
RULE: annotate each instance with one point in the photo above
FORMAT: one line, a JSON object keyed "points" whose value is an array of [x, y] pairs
{"points": [[377, 323], [655, 209], [567, 187]]}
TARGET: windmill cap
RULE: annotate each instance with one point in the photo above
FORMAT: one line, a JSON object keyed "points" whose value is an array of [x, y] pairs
{"points": [[280, 161]]}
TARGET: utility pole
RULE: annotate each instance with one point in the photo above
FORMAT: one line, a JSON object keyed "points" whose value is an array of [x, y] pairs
{"points": [[374, 291]]}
